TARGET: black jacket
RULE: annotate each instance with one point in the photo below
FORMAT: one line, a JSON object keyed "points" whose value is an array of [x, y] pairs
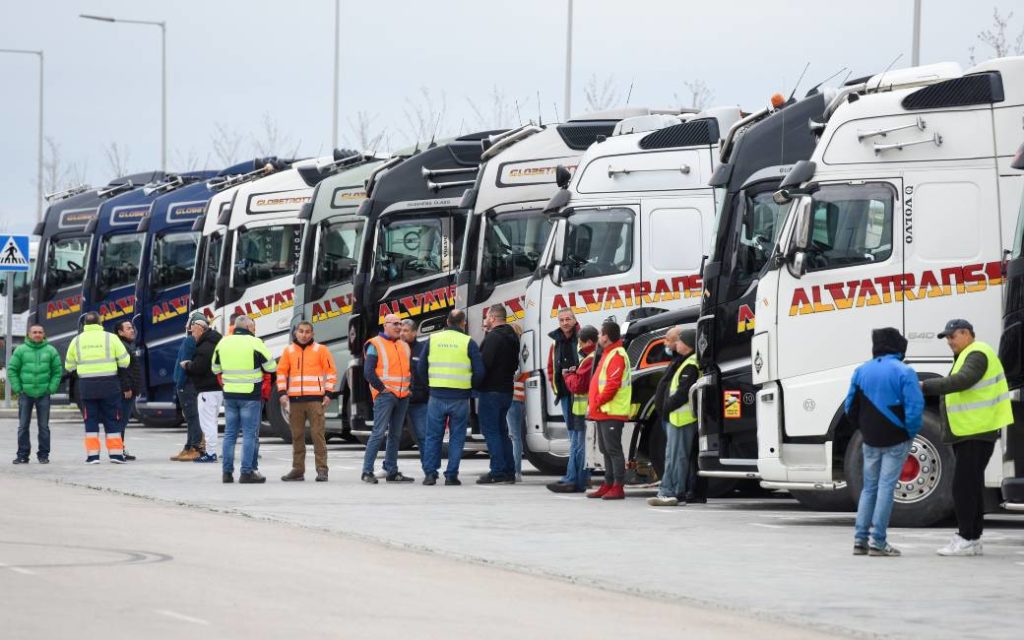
{"points": [[500, 352], [669, 402], [200, 370], [131, 378], [564, 355], [420, 390]]}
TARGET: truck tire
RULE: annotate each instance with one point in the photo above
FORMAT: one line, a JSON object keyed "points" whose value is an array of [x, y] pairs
{"points": [[162, 423], [924, 492], [547, 463]]}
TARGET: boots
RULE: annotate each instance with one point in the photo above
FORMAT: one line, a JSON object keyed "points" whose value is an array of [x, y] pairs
{"points": [[616, 492], [600, 492], [293, 475], [178, 457]]}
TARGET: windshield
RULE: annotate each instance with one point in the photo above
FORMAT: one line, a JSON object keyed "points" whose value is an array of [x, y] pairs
{"points": [[205, 280], [263, 254], [336, 259], [1018, 239], [512, 245], [174, 256], [414, 248], [760, 225], [598, 243], [850, 224], [65, 262], [720, 220], [118, 262]]}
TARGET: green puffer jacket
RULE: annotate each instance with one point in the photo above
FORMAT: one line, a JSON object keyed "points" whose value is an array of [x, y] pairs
{"points": [[35, 369]]}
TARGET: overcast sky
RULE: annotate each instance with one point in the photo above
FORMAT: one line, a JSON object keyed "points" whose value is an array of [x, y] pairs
{"points": [[241, 63]]}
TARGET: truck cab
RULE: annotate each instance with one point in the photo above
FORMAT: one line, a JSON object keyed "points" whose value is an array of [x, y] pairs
{"points": [[900, 219], [630, 231]]}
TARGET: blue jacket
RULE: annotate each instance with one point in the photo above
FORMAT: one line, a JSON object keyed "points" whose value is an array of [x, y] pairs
{"points": [[186, 351], [885, 401], [444, 393]]}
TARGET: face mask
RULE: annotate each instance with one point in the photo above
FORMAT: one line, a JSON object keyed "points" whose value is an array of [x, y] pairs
{"points": [[669, 350]]}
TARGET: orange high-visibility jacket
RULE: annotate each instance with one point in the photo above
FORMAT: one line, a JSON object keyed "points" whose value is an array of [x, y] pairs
{"points": [[394, 366], [306, 371]]}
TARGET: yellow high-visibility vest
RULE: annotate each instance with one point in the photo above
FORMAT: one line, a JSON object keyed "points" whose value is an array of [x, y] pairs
{"points": [[985, 406], [448, 363], [94, 353], [620, 404], [685, 414], [233, 361]]}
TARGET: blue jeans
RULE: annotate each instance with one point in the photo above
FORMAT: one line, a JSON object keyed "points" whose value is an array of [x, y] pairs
{"points": [[417, 413], [188, 400], [882, 466], [515, 433], [240, 416], [389, 418], [576, 470], [456, 413], [42, 406], [492, 409], [678, 445]]}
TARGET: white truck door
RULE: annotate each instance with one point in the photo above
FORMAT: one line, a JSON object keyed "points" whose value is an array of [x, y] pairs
{"points": [[674, 239]]}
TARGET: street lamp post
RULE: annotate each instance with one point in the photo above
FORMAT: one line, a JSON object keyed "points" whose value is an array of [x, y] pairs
{"points": [[916, 45], [568, 64], [39, 150], [163, 74], [337, 49]]}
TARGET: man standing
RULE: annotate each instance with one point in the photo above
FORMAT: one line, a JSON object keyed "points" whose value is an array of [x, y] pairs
{"points": [[500, 354], [188, 399], [95, 357], [34, 374], [885, 403], [577, 380], [209, 395], [452, 366], [386, 364], [610, 406], [131, 381], [306, 380], [419, 392], [678, 418], [240, 360], [517, 412], [975, 408], [562, 357]]}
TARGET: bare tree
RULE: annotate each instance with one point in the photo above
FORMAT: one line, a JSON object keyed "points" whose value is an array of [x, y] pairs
{"points": [[600, 95], [424, 116], [191, 161], [698, 95], [272, 141], [57, 174], [996, 39], [227, 143], [498, 112], [118, 159], [363, 134]]}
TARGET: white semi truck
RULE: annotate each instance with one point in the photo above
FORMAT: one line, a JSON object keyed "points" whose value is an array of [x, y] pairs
{"points": [[900, 219]]}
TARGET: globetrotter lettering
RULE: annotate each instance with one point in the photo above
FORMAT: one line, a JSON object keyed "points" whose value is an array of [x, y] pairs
{"points": [[418, 303], [64, 306], [332, 308], [169, 309], [121, 307], [628, 295], [904, 287], [267, 305]]}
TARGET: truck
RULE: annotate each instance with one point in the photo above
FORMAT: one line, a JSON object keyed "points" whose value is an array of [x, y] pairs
{"points": [[630, 229], [900, 219], [507, 228]]}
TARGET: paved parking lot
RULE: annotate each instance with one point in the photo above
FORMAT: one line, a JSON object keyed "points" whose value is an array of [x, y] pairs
{"points": [[764, 560]]}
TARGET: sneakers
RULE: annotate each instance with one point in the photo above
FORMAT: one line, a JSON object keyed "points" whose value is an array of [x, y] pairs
{"points": [[563, 487], [19, 461], [44, 461], [92, 460], [399, 477], [519, 477], [293, 476], [118, 459], [489, 478], [958, 546], [430, 479], [452, 481], [887, 550], [617, 492], [227, 478], [206, 457], [129, 457], [252, 477], [368, 478], [663, 501], [600, 491], [860, 547], [321, 475]]}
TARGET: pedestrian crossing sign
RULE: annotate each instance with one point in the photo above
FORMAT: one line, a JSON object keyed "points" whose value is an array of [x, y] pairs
{"points": [[14, 253]]}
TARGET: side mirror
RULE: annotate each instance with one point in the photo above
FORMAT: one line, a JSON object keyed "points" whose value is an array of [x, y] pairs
{"points": [[804, 226], [562, 177]]}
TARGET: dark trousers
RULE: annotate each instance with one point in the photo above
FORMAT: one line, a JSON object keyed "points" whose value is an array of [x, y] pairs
{"points": [[696, 485], [609, 440], [969, 486], [188, 400], [42, 406], [124, 414], [492, 409]]}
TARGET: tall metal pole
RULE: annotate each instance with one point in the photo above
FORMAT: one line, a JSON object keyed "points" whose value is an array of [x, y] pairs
{"points": [[916, 54], [39, 141], [568, 63], [337, 51], [9, 338]]}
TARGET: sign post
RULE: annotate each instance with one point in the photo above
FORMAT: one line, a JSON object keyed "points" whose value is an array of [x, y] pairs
{"points": [[13, 258]]}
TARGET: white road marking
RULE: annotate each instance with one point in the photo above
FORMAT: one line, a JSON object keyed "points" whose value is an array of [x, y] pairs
{"points": [[767, 526], [181, 616], [24, 572]]}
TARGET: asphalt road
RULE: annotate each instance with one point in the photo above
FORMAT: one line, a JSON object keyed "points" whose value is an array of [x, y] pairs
{"points": [[499, 561]]}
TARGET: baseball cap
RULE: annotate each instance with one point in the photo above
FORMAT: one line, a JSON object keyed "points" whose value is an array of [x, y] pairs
{"points": [[953, 325]]}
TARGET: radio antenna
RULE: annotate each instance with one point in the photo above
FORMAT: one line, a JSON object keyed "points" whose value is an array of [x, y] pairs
{"points": [[629, 92], [817, 86], [878, 87], [799, 80], [518, 114]]}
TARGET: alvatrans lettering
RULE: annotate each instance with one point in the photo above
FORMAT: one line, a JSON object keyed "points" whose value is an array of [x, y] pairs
{"points": [[418, 303], [63, 306], [903, 287], [628, 295], [118, 308], [332, 307], [266, 305], [169, 309]]}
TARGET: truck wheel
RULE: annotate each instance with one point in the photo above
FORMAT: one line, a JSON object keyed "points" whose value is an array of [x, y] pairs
{"points": [[278, 422], [547, 463], [162, 423], [924, 491]]}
